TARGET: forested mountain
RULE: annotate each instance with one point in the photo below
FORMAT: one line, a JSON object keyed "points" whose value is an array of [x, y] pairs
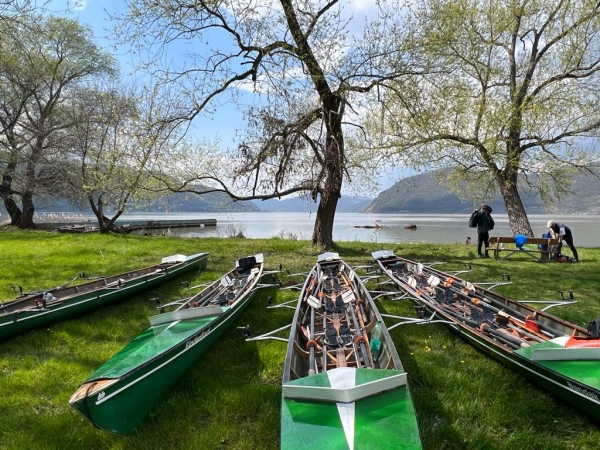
{"points": [[216, 202], [423, 194], [173, 203], [420, 194], [346, 204]]}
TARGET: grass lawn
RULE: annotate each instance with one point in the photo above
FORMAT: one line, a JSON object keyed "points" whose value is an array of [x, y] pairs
{"points": [[230, 399]]}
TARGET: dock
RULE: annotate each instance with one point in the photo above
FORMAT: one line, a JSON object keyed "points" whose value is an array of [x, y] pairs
{"points": [[128, 226]]}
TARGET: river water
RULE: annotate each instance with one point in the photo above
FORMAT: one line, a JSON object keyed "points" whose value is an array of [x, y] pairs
{"points": [[431, 228]]}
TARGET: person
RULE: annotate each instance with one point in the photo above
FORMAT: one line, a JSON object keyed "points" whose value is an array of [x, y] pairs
{"points": [[562, 233], [482, 219]]}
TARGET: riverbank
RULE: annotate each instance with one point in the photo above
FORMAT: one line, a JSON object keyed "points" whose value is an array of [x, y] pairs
{"points": [[349, 227], [231, 397]]}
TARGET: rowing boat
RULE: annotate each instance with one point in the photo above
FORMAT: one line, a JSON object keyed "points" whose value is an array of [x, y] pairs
{"points": [[39, 309], [119, 395], [560, 356], [343, 384]]}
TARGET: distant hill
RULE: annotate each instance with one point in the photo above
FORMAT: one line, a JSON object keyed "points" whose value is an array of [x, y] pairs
{"points": [[172, 203], [423, 194], [346, 204]]}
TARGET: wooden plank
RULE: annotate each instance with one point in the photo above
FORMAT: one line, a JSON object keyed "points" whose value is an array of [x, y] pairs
{"points": [[340, 355]]}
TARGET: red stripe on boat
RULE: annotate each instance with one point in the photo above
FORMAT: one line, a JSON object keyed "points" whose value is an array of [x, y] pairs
{"points": [[582, 342]]}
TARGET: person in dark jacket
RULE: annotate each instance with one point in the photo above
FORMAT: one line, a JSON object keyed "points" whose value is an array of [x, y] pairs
{"points": [[482, 218], [562, 233]]}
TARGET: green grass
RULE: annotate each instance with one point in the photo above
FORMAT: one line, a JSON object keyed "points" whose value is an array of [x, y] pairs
{"points": [[230, 399]]}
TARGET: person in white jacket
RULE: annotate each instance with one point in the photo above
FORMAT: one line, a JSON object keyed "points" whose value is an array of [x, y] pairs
{"points": [[563, 233]]}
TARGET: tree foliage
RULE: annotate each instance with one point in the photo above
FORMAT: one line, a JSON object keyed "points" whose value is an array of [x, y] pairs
{"points": [[110, 149], [512, 95], [299, 72], [42, 60]]}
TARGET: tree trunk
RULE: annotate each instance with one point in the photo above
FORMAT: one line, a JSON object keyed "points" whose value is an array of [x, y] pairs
{"points": [[323, 231], [98, 210], [334, 169], [28, 212], [517, 217], [6, 193]]}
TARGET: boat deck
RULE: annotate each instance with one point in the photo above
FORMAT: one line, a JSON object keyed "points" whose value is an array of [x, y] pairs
{"points": [[584, 371], [154, 341]]}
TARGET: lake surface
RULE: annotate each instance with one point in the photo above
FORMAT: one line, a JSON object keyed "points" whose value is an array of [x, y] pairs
{"points": [[431, 228]]}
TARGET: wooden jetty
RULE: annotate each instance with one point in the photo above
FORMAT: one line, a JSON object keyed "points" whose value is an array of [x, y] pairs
{"points": [[128, 226]]}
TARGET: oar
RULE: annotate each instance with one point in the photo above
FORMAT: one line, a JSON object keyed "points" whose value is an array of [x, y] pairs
{"points": [[503, 307], [486, 328], [523, 326], [311, 358], [479, 302], [363, 338], [324, 348], [505, 313]]}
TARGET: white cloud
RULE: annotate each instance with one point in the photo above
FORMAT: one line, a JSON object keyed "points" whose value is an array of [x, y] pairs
{"points": [[363, 5]]}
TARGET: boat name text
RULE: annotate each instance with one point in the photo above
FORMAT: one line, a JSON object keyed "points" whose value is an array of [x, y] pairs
{"points": [[583, 391], [197, 339]]}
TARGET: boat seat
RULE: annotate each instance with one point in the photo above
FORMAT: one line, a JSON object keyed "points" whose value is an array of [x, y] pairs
{"points": [[329, 306], [331, 336], [222, 300], [345, 335]]}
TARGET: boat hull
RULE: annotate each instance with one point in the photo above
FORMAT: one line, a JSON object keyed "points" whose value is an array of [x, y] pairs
{"points": [[356, 400], [140, 375], [584, 396], [74, 304], [576, 380]]}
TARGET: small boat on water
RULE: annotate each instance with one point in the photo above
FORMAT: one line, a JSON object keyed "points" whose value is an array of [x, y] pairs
{"points": [[375, 224], [343, 384], [38, 309], [119, 395], [560, 356]]}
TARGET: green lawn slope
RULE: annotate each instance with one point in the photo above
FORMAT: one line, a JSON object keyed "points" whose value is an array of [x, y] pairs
{"points": [[230, 399]]}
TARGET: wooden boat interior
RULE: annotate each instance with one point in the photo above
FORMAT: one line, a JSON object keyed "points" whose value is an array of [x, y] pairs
{"points": [[41, 300], [333, 324], [217, 296], [506, 322], [92, 388]]}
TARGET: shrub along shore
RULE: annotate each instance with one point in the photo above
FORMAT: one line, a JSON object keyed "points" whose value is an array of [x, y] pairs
{"points": [[230, 399]]}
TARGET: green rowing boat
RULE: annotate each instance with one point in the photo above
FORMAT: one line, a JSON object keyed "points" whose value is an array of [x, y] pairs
{"points": [[119, 395], [40, 309], [560, 356], [343, 384]]}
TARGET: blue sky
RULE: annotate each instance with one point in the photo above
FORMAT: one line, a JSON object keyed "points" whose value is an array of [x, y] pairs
{"points": [[222, 125]]}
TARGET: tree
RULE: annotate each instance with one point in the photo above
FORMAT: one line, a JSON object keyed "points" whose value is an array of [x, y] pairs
{"points": [[41, 59], [109, 152], [297, 71], [512, 95]]}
